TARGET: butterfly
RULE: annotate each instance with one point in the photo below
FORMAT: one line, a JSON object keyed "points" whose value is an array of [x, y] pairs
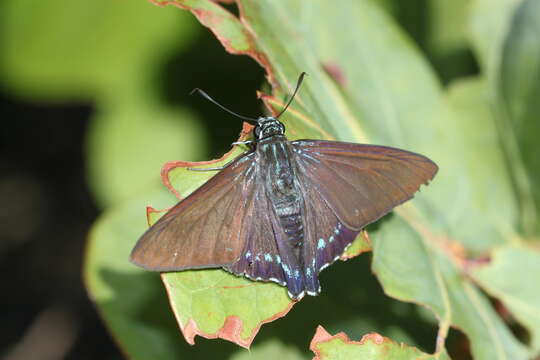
{"points": [[284, 210]]}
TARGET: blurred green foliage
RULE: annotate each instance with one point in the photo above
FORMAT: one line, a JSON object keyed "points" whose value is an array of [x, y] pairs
{"points": [[109, 53], [458, 81]]}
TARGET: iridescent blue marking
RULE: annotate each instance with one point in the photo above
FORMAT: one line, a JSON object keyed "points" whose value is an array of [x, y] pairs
{"points": [[268, 257], [257, 258], [287, 270], [331, 239], [321, 244], [308, 272], [336, 231], [297, 274], [278, 259], [248, 254]]}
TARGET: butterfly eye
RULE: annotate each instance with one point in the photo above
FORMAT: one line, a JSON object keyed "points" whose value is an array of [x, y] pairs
{"points": [[257, 131]]}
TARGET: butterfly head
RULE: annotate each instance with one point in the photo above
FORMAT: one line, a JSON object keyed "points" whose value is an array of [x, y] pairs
{"points": [[268, 126]]}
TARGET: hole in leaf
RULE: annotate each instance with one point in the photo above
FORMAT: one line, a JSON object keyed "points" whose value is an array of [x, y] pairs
{"points": [[458, 345], [231, 6], [519, 331]]}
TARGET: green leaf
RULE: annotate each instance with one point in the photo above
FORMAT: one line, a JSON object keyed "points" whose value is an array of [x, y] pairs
{"points": [[516, 292], [435, 126], [430, 273], [373, 81], [447, 25], [371, 347], [269, 350], [129, 144], [488, 23], [368, 91], [394, 99], [215, 304], [473, 179], [360, 245], [108, 53], [518, 91], [446, 37], [129, 299], [431, 270], [504, 36], [76, 50]]}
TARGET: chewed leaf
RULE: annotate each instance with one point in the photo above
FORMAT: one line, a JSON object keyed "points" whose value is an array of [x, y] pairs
{"points": [[361, 244], [269, 350], [152, 215], [216, 304], [372, 346], [176, 174], [127, 296], [371, 82], [516, 292]]}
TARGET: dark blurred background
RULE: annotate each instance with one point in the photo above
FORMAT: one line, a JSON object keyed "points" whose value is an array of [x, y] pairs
{"points": [[48, 207], [49, 202]]}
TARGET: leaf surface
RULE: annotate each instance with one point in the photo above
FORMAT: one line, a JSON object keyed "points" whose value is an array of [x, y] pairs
{"points": [[516, 292], [372, 83], [130, 299], [107, 54], [376, 98], [372, 346], [505, 42]]}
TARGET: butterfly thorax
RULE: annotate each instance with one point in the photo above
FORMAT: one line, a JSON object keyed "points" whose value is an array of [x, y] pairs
{"points": [[281, 186]]}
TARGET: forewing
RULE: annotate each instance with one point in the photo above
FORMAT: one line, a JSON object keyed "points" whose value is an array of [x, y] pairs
{"points": [[205, 229], [361, 183]]}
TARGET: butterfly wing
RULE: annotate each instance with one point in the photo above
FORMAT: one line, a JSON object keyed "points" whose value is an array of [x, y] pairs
{"points": [[345, 187], [205, 229], [268, 254], [360, 183], [228, 222], [325, 237]]}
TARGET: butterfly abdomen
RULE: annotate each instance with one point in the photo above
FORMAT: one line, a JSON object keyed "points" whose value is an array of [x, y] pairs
{"points": [[294, 228]]}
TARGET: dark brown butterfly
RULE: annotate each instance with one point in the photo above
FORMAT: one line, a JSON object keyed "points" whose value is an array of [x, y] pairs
{"points": [[284, 210]]}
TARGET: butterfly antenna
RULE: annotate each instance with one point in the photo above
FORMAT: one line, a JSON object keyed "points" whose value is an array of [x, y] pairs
{"points": [[298, 83], [207, 97]]}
